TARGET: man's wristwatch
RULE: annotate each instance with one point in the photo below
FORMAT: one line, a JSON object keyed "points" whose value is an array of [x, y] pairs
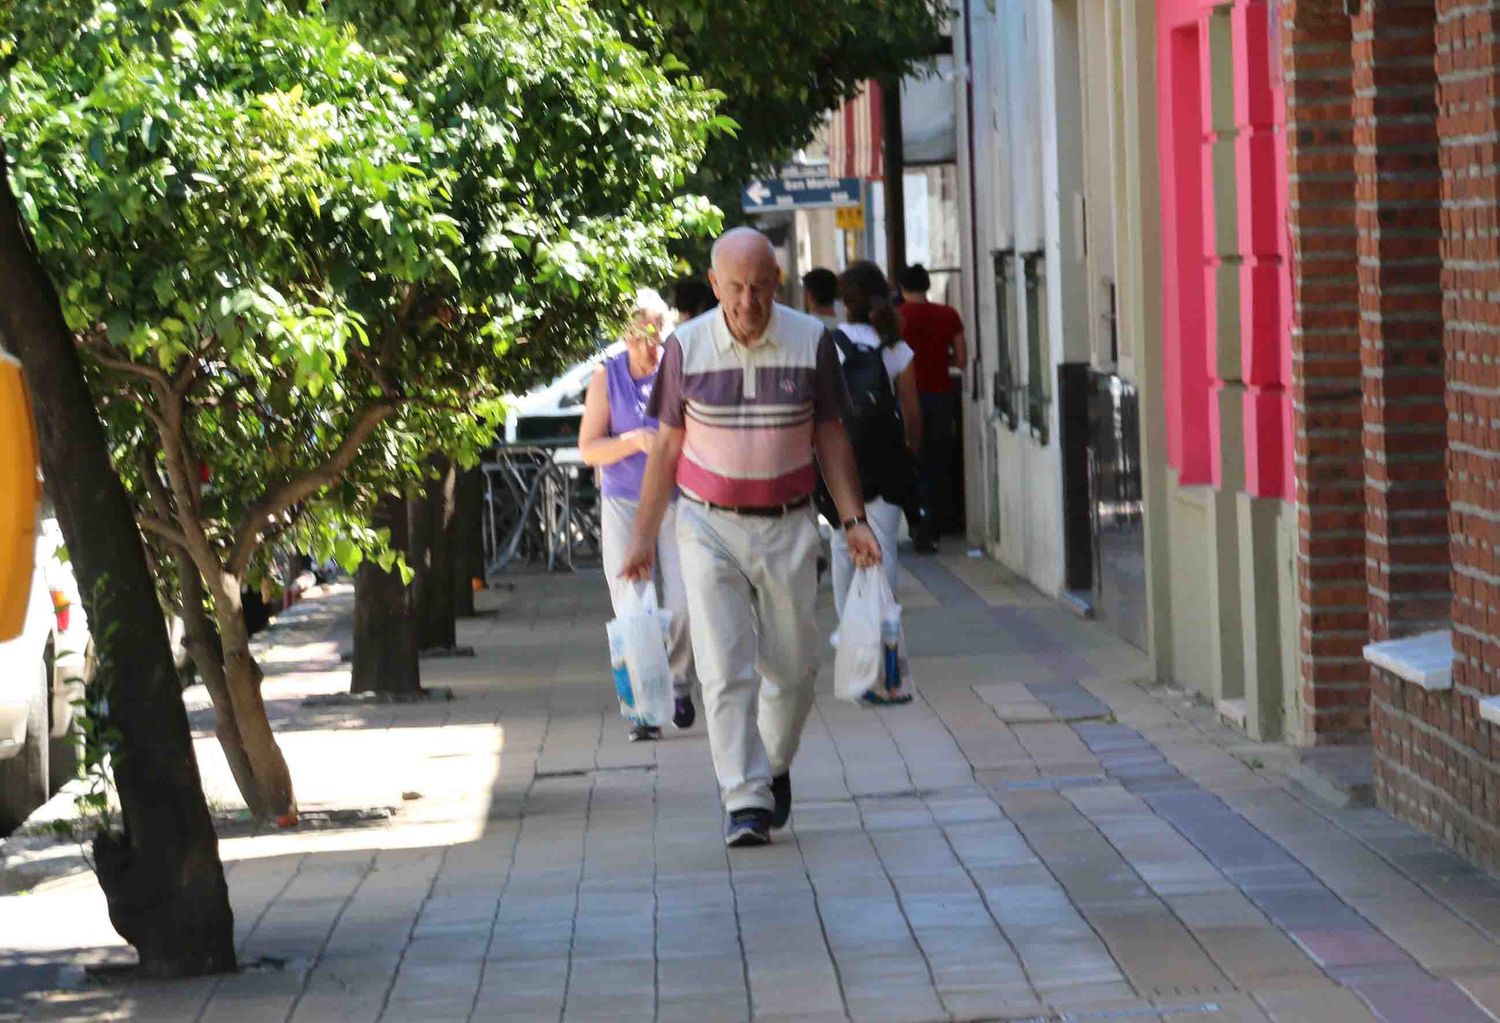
{"points": [[858, 520]]}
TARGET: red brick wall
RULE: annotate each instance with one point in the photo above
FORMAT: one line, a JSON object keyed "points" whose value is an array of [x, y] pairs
{"points": [[1398, 213], [1438, 762], [1317, 73], [1395, 219], [1434, 768]]}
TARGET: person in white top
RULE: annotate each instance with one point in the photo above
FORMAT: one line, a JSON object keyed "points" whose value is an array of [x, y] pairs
{"points": [[886, 457]]}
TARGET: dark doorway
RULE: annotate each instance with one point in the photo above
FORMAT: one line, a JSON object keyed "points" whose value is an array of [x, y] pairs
{"points": [[1116, 508]]}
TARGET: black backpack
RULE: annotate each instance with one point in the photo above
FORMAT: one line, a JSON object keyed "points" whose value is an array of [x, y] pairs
{"points": [[875, 427]]}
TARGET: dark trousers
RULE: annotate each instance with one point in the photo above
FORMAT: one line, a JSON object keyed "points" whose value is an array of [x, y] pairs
{"points": [[933, 482]]}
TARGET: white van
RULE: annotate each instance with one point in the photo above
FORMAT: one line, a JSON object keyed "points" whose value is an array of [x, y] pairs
{"points": [[43, 672]]}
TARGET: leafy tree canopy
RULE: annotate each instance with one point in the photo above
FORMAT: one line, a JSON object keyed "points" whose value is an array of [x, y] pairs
{"points": [[302, 257], [305, 263], [781, 65]]}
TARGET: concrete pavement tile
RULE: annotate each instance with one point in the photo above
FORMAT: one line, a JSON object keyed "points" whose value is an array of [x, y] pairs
{"points": [[1226, 1009], [895, 1005], [1117, 997], [608, 1007], [148, 1000], [1431, 933], [1154, 950], [1088, 868], [905, 871], [1404, 1000], [253, 996], [701, 1009], [990, 844], [1314, 909], [448, 949], [1253, 955], [85, 1007], [1482, 912], [545, 981], [722, 976], [330, 1004], [793, 987], [1485, 990], [981, 966], [712, 938], [589, 977], [1340, 948], [999, 1003]]}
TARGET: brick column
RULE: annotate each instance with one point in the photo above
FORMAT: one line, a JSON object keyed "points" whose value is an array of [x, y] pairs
{"points": [[1317, 74], [1401, 316], [1462, 791]]}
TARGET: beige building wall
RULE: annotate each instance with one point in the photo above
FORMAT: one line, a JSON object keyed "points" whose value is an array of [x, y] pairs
{"points": [[1221, 580]]}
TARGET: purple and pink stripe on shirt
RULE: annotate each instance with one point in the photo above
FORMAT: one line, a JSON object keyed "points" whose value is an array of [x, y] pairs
{"points": [[748, 412]]}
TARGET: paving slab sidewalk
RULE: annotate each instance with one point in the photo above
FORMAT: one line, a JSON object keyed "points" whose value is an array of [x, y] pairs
{"points": [[1040, 837]]}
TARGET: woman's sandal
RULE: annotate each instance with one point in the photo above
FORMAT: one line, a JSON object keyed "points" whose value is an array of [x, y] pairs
{"points": [[874, 699]]}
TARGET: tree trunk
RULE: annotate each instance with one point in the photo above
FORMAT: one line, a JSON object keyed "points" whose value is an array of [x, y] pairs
{"points": [[468, 539], [432, 556], [208, 656], [385, 617], [274, 797], [161, 874]]}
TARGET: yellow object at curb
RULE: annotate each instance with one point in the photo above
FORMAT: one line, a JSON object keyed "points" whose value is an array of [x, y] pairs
{"points": [[20, 492]]}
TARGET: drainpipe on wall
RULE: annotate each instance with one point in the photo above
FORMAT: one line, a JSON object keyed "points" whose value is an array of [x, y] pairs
{"points": [[967, 71], [895, 186]]}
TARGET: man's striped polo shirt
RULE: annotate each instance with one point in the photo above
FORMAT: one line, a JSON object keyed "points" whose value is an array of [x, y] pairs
{"points": [[748, 411]]}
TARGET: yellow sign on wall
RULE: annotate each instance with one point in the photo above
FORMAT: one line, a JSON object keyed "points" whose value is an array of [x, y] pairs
{"points": [[849, 218], [19, 493]]}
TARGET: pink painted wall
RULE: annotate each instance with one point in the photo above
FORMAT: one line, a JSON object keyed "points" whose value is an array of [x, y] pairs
{"points": [[1260, 161], [1185, 306], [1193, 261]]}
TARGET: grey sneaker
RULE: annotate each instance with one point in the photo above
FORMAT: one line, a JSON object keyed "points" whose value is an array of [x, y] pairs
{"points": [[748, 828], [644, 733]]}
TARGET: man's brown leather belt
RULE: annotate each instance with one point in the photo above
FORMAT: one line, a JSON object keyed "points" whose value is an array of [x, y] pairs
{"points": [[774, 511]]}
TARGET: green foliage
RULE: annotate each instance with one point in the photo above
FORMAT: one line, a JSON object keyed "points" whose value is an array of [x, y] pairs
{"points": [[781, 65], [270, 225]]}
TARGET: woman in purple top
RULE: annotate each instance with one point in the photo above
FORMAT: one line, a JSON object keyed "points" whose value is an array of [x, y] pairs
{"points": [[615, 437]]}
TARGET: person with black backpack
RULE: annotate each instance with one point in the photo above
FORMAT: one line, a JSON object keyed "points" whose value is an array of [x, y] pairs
{"points": [[885, 419]]}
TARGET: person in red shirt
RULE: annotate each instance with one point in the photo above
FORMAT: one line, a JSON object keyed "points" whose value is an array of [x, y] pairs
{"points": [[936, 333]]}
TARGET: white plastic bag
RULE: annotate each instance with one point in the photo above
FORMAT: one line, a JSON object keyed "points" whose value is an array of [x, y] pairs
{"points": [[871, 664], [638, 657]]}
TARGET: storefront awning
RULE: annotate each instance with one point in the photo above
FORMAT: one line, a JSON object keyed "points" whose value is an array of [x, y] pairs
{"points": [[854, 136]]}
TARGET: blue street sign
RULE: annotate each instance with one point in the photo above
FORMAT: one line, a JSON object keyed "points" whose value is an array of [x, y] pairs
{"points": [[799, 193]]}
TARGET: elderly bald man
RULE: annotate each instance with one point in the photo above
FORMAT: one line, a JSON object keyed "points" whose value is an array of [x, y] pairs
{"points": [[747, 395]]}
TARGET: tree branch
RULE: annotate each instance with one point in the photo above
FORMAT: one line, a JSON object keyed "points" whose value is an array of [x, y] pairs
{"points": [[277, 500], [182, 474], [165, 530], [188, 375], [96, 350], [390, 339], [155, 488]]}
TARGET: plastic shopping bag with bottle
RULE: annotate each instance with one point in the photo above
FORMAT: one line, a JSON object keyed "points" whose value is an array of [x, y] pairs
{"points": [[871, 665], [638, 657]]}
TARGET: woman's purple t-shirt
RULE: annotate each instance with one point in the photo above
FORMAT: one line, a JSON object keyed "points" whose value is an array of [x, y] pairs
{"points": [[627, 411]]}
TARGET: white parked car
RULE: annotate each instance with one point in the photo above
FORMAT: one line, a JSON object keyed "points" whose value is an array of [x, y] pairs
{"points": [[554, 409], [42, 676]]}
